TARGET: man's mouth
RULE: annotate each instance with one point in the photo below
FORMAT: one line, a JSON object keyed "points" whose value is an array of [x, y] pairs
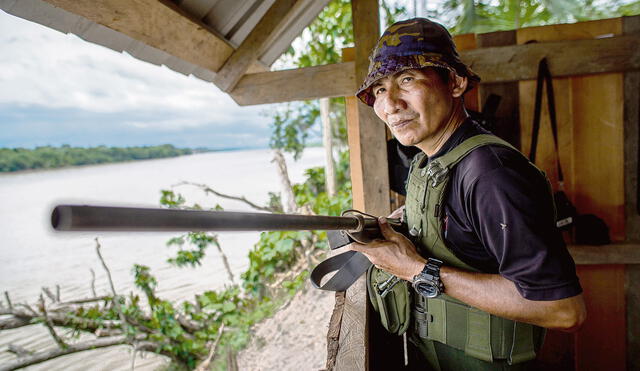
{"points": [[400, 124]]}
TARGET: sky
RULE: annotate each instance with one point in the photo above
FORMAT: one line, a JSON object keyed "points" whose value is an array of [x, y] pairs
{"points": [[59, 89]]}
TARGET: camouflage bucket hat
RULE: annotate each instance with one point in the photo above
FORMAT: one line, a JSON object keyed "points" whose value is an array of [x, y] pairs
{"points": [[414, 43]]}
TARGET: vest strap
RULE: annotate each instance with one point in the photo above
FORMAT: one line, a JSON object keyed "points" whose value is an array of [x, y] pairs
{"points": [[478, 343], [523, 347]]}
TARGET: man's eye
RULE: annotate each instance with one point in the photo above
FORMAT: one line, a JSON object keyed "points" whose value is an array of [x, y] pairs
{"points": [[378, 91], [407, 79]]}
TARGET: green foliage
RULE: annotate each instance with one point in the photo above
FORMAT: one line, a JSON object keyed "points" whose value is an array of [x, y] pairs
{"points": [[146, 282], [191, 257], [290, 128], [15, 159], [472, 16], [323, 40]]}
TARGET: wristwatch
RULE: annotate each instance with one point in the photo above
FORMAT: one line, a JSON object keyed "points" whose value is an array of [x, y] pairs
{"points": [[427, 283]]}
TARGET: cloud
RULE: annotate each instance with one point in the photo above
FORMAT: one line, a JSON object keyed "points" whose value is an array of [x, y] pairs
{"points": [[46, 75], [37, 126]]}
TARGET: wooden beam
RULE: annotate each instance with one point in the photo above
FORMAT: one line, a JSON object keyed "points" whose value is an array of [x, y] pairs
{"points": [[493, 64], [566, 58], [331, 80], [158, 24], [606, 254], [249, 51]]}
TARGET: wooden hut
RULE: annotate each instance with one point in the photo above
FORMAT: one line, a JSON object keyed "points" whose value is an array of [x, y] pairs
{"points": [[596, 66]]}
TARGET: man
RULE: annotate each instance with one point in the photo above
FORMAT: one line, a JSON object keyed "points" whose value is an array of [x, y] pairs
{"points": [[488, 267]]}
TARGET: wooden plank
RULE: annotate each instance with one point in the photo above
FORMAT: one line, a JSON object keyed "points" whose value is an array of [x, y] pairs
{"points": [[157, 24], [249, 51], [331, 80], [632, 141], [632, 198], [601, 342], [627, 253], [633, 317], [370, 183], [520, 62], [599, 149]]}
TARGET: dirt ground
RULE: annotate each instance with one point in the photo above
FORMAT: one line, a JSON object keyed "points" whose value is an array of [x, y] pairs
{"points": [[294, 338]]}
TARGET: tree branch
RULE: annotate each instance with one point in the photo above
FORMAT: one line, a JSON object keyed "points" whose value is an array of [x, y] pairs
{"points": [[49, 294], [225, 261], [6, 296], [116, 301], [204, 366], [49, 324], [104, 265], [207, 189]]}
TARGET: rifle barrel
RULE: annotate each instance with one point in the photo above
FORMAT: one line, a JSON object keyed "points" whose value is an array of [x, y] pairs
{"points": [[107, 218]]}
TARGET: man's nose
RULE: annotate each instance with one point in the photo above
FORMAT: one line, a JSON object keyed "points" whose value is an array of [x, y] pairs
{"points": [[394, 102]]}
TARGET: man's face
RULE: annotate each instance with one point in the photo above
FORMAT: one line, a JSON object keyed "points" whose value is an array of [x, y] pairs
{"points": [[416, 104]]}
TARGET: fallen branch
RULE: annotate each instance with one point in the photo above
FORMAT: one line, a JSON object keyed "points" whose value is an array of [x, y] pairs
{"points": [[21, 318], [81, 301], [49, 324], [39, 357]]}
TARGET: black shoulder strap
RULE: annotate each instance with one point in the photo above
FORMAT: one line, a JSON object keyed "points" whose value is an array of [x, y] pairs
{"points": [[544, 75]]}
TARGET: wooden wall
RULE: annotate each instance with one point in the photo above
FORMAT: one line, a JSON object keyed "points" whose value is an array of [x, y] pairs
{"points": [[590, 137]]}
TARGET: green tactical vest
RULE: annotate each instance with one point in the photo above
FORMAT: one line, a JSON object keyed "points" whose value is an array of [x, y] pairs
{"points": [[445, 319]]}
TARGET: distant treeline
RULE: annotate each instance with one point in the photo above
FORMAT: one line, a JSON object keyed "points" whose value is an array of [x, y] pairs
{"points": [[14, 159]]}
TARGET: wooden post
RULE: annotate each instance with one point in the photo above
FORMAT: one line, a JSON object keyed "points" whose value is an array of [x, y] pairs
{"points": [[631, 25], [370, 183]]}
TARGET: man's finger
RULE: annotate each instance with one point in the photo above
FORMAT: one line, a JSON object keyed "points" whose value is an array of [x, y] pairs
{"points": [[357, 247], [386, 230]]}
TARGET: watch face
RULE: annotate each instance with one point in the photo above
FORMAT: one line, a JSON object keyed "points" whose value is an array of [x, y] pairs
{"points": [[427, 289]]}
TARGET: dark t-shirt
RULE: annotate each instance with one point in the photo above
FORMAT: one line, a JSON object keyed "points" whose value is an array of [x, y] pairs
{"points": [[499, 218]]}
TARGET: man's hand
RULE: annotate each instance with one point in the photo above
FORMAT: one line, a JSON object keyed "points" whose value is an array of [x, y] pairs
{"points": [[395, 254], [397, 213]]}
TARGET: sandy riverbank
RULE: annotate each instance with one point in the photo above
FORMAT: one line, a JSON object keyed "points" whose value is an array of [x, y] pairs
{"points": [[294, 338]]}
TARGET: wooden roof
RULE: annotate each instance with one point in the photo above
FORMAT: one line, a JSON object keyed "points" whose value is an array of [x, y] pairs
{"points": [[215, 40]]}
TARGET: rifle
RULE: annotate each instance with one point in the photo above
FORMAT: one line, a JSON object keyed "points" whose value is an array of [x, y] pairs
{"points": [[352, 226]]}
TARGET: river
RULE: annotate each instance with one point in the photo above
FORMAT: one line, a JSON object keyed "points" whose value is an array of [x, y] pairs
{"points": [[33, 256]]}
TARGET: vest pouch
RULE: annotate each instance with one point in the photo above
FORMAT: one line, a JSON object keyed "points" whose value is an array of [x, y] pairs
{"points": [[389, 297], [478, 334]]}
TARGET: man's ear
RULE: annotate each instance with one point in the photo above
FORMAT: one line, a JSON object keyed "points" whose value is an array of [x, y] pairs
{"points": [[459, 85]]}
